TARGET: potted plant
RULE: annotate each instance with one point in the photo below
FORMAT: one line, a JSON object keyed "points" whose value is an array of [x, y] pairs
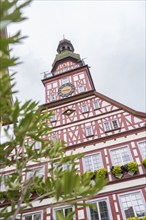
{"points": [[101, 173], [132, 167], [117, 171], [124, 168], [144, 162], [91, 174]]}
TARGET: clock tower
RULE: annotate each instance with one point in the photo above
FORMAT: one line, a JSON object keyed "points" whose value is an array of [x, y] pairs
{"points": [[69, 75], [106, 132]]}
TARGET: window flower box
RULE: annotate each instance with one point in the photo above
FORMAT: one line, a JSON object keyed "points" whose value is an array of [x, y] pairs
{"points": [[132, 168], [117, 171], [101, 173]]}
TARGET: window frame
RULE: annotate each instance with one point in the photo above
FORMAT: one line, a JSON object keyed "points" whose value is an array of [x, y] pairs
{"points": [[52, 97], [87, 134], [53, 118], [32, 213], [34, 169], [97, 205], [85, 108], [54, 138], [127, 193], [111, 125], [81, 89], [118, 148], [91, 155], [65, 79], [141, 151], [112, 122], [64, 166], [96, 104], [62, 208]]}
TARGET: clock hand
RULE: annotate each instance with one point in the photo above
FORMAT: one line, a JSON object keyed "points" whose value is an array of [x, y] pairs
{"points": [[65, 89]]}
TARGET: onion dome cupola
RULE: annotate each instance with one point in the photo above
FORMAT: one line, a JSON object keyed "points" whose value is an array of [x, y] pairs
{"points": [[65, 56]]}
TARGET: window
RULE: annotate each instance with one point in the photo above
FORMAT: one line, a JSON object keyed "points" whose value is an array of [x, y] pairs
{"points": [[52, 97], [64, 211], [100, 211], [115, 124], [65, 80], [89, 131], [121, 156], [34, 145], [53, 118], [6, 133], [54, 138], [107, 126], [142, 148], [132, 205], [64, 166], [80, 89], [39, 172], [95, 104], [3, 180], [92, 162], [37, 145], [33, 216], [85, 108], [111, 125]]}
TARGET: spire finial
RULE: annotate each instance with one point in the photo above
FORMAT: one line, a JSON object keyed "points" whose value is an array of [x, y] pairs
{"points": [[63, 36]]}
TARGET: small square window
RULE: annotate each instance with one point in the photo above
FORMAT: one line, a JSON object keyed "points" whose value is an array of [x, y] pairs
{"points": [[107, 126], [52, 97], [53, 118], [85, 108], [65, 211], [115, 124], [80, 89], [65, 80], [142, 148], [54, 138], [89, 131], [39, 172], [95, 104], [37, 145]]}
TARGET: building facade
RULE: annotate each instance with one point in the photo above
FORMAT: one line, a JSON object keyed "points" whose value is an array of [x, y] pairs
{"points": [[108, 134]]}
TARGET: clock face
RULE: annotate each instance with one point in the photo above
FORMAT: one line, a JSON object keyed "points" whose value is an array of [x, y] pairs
{"points": [[66, 90]]}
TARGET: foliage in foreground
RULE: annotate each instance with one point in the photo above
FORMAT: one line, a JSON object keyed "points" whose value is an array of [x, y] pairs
{"points": [[25, 125]]}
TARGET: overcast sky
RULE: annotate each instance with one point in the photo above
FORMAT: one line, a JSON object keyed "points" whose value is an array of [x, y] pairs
{"points": [[110, 35]]}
